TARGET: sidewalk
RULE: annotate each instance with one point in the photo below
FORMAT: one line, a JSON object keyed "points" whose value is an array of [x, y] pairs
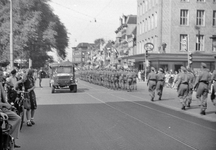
{"points": [[170, 100]]}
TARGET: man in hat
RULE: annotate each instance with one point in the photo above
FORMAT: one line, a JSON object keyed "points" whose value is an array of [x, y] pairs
{"points": [[11, 83], [160, 82], [151, 83], [202, 86], [183, 86]]}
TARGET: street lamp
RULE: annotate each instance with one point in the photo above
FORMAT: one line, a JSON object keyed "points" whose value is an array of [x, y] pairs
{"points": [[11, 34]]}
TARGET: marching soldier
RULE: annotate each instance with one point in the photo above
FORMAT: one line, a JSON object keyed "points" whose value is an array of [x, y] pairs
{"points": [[202, 86], [213, 92], [183, 86], [129, 78], [192, 77], [151, 83], [160, 82]]}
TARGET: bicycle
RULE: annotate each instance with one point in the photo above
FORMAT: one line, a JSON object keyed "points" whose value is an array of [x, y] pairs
{"points": [[18, 106], [6, 140]]}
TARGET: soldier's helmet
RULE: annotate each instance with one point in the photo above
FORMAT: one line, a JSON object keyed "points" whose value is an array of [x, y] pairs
{"points": [[183, 68], [161, 70], [203, 65]]}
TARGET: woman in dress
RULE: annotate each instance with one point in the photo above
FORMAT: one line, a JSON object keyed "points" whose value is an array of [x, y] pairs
{"points": [[29, 85]]}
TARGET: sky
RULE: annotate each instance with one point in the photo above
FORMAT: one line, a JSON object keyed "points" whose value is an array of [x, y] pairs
{"points": [[88, 20]]}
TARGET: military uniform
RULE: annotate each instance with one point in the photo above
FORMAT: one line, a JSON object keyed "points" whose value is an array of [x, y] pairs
{"points": [[213, 92], [202, 86], [151, 82], [190, 88], [183, 86], [160, 83]]}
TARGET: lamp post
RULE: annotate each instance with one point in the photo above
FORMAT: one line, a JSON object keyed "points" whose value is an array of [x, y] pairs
{"points": [[11, 34]]}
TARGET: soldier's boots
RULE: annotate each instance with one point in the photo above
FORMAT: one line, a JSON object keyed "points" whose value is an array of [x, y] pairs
{"points": [[183, 107], [203, 112]]}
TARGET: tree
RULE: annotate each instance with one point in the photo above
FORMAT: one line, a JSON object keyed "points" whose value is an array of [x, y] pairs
{"points": [[99, 42], [36, 29]]}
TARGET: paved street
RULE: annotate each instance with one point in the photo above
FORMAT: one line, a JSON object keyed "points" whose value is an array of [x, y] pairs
{"points": [[96, 118]]}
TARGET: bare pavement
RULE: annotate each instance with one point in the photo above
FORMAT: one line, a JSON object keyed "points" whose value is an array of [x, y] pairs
{"points": [[97, 118]]}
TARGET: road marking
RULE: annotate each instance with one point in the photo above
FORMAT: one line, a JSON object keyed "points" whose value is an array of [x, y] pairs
{"points": [[162, 111], [143, 122]]}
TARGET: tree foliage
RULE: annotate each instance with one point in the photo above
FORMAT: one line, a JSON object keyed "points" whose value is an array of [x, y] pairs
{"points": [[36, 31], [99, 42]]}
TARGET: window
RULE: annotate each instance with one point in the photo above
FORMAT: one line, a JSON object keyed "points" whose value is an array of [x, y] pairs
{"points": [[200, 20], [149, 23], [146, 25], [183, 42], [156, 43], [152, 20], [146, 3], [140, 9], [155, 19], [214, 43], [200, 0], [214, 18], [143, 5], [153, 3], [184, 15], [184, 0], [200, 43], [214, 1]]}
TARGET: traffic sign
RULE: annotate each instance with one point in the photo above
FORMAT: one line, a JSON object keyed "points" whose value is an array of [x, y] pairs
{"points": [[149, 46]]}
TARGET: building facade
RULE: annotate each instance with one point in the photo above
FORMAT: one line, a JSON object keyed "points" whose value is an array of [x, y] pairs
{"points": [[80, 53], [124, 34], [177, 27]]}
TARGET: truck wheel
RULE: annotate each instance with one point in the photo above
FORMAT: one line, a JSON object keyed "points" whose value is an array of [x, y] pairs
{"points": [[75, 88], [71, 88], [53, 90]]}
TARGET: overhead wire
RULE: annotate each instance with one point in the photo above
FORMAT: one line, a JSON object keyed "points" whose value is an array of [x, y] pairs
{"points": [[73, 10]]}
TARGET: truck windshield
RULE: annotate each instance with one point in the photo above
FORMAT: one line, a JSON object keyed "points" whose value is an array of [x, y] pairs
{"points": [[65, 70]]}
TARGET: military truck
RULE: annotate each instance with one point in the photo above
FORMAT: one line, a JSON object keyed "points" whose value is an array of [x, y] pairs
{"points": [[62, 76]]}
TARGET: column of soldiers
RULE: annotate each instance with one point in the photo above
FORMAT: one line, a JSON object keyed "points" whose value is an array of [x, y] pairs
{"points": [[116, 79], [187, 82]]}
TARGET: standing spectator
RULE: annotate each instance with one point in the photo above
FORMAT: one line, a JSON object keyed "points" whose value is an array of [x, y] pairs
{"points": [[13, 119], [175, 77], [142, 75], [139, 75], [29, 85], [41, 74]]}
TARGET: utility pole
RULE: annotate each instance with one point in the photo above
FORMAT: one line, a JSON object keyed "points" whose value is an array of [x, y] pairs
{"points": [[11, 35]]}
